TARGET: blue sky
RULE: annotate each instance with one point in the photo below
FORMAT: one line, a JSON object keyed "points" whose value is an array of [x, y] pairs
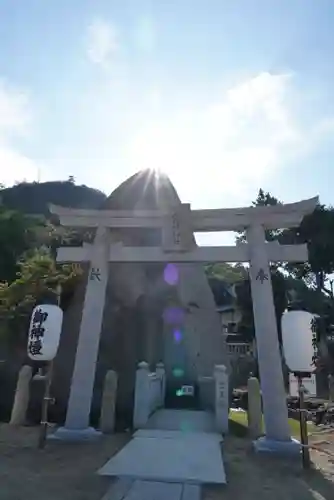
{"points": [[225, 96]]}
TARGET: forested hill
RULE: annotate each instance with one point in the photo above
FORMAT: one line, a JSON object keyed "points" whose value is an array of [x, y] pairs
{"points": [[34, 197]]}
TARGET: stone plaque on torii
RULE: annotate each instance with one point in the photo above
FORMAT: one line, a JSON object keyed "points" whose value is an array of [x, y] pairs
{"points": [[178, 245]]}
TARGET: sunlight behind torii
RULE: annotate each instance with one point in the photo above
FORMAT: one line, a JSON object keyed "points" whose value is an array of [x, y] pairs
{"points": [[231, 144]]}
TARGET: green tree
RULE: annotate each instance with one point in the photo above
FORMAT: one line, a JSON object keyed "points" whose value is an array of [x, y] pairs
{"points": [[226, 272], [279, 282], [36, 282], [309, 281], [263, 199], [317, 231], [245, 303], [17, 235]]}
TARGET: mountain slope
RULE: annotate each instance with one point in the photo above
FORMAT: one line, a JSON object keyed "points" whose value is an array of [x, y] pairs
{"points": [[34, 197]]}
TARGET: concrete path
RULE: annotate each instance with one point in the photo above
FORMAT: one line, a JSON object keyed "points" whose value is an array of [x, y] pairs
{"points": [[173, 456], [151, 490]]}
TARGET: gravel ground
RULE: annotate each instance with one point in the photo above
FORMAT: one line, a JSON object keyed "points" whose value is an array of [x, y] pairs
{"points": [[67, 472], [261, 477], [59, 472]]}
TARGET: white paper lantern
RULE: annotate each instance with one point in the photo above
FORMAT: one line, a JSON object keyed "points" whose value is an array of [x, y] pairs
{"points": [[44, 332], [297, 336]]}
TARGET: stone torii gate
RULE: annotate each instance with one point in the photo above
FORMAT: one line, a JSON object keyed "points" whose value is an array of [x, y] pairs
{"points": [[178, 246]]}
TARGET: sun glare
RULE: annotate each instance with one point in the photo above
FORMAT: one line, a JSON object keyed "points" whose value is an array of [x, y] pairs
{"points": [[154, 148]]}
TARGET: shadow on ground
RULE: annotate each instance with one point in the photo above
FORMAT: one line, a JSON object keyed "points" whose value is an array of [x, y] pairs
{"points": [[265, 477], [59, 472], [68, 472]]}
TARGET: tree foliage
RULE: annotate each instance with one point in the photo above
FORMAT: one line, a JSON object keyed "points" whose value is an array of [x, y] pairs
{"points": [[36, 282], [279, 283], [29, 274], [226, 272], [263, 199], [28, 271], [304, 284], [317, 231], [18, 233], [245, 303]]}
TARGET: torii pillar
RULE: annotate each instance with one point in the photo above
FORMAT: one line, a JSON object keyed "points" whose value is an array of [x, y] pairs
{"points": [[79, 404], [278, 434]]}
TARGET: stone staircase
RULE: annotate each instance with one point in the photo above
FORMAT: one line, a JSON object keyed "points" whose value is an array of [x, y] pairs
{"points": [[177, 452], [174, 451]]}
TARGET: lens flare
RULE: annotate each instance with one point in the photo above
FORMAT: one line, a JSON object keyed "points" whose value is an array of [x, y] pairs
{"points": [[177, 336], [185, 427], [178, 372], [171, 274], [173, 315]]}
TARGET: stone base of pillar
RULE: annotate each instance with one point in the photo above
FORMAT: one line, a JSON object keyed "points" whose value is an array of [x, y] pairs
{"points": [[65, 434], [291, 448]]}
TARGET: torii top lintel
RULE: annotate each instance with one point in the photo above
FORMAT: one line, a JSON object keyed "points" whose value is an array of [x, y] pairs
{"points": [[223, 219]]}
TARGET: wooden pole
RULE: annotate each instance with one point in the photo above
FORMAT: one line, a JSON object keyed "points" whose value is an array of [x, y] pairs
{"points": [[43, 430], [303, 425], [45, 407]]}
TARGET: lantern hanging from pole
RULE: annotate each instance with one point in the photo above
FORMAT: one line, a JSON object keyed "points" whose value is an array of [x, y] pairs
{"points": [[44, 332], [299, 341]]}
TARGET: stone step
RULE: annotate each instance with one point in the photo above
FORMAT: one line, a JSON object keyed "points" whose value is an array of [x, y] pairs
{"points": [[161, 434], [182, 420]]}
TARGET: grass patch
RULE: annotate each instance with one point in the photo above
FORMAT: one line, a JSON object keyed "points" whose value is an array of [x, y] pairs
{"points": [[239, 420]]}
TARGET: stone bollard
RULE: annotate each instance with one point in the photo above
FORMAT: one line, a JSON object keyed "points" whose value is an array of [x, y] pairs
{"points": [[107, 417], [21, 399], [221, 398], [254, 408], [141, 410], [160, 371]]}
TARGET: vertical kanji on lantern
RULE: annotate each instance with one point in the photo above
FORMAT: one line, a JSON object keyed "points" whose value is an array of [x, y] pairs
{"points": [[44, 332]]}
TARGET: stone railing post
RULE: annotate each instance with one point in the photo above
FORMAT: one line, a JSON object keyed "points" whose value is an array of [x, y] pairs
{"points": [[142, 396], [254, 408], [221, 398], [21, 399], [155, 392], [160, 371], [107, 418]]}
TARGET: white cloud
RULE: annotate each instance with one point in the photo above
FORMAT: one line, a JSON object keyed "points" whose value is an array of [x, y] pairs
{"points": [[15, 113], [228, 148], [16, 167], [102, 42], [15, 121]]}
